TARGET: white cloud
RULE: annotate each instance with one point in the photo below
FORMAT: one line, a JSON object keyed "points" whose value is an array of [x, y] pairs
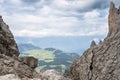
{"points": [[1, 1], [16, 2], [59, 18], [93, 14]]}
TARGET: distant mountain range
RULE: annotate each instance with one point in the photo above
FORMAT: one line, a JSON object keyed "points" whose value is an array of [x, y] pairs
{"points": [[49, 58], [24, 47], [77, 44]]}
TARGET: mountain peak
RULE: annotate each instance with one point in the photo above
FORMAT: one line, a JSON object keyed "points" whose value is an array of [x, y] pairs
{"points": [[93, 43], [113, 20], [1, 20], [112, 5]]}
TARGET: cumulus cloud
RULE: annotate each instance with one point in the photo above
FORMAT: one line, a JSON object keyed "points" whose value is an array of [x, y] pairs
{"points": [[41, 18]]}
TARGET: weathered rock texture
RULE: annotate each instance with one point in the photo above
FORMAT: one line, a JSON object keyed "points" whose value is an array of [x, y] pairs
{"points": [[15, 77], [7, 43], [113, 20], [101, 62], [10, 65], [47, 75]]}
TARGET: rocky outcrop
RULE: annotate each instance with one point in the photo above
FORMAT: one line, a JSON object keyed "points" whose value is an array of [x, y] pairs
{"points": [[113, 20], [101, 62], [30, 61], [7, 43]]}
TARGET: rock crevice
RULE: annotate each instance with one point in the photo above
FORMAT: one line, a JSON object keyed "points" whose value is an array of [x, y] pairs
{"points": [[91, 67]]}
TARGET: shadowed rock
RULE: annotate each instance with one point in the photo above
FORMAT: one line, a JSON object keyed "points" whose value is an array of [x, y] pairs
{"points": [[7, 43]]}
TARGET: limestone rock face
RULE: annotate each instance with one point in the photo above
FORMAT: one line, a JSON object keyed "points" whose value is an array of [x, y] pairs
{"points": [[101, 62], [7, 43], [113, 20]]}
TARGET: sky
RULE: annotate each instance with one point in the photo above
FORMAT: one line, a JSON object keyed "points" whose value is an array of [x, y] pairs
{"points": [[45, 18]]}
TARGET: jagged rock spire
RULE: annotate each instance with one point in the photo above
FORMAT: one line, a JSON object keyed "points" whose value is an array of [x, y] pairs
{"points": [[113, 20], [93, 43], [112, 5], [1, 20], [100, 41]]}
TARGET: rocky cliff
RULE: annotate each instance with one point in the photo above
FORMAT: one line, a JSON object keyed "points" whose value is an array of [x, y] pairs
{"points": [[102, 61], [7, 43], [10, 62]]}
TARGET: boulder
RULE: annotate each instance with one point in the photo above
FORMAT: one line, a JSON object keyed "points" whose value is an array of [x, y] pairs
{"points": [[30, 61]]}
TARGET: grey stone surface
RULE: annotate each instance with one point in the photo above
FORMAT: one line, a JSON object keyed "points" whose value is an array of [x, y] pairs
{"points": [[9, 65]]}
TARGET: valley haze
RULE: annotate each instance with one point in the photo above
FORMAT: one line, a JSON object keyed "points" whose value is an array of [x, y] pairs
{"points": [[67, 44]]}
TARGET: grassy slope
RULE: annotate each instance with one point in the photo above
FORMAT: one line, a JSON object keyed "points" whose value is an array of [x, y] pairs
{"points": [[40, 54], [50, 60]]}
